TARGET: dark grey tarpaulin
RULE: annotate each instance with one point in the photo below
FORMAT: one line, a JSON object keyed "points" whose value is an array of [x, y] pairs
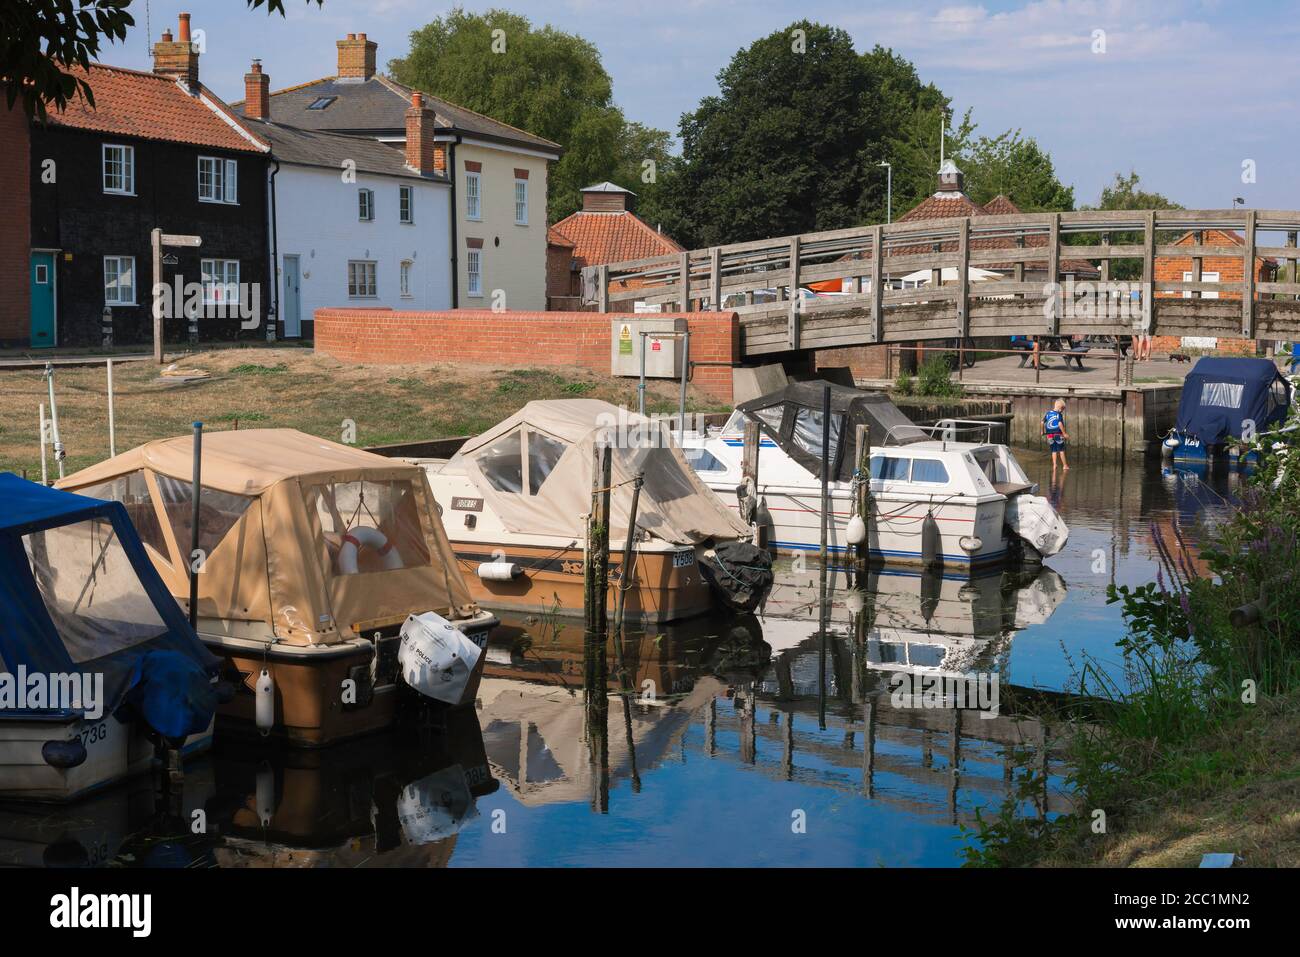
{"points": [[792, 417]]}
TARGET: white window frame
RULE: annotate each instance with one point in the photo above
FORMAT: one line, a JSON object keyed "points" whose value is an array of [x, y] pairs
{"points": [[524, 220], [128, 169], [356, 290], [118, 299], [404, 278], [406, 198], [223, 180], [1205, 277], [474, 197], [365, 205], [223, 291], [474, 273]]}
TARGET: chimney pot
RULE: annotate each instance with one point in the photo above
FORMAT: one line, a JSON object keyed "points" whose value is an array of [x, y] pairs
{"points": [[177, 57], [257, 93], [183, 28]]}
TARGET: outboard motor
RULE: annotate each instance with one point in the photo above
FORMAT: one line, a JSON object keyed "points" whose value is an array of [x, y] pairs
{"points": [[739, 573], [174, 695]]}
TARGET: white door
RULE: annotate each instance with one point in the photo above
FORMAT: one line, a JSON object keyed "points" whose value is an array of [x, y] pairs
{"points": [[292, 300]]}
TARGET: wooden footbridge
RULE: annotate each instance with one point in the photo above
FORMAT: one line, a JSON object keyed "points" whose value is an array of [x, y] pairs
{"points": [[1023, 274]]}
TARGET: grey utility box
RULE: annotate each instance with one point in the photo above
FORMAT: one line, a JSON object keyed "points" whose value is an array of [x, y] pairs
{"points": [[663, 357]]}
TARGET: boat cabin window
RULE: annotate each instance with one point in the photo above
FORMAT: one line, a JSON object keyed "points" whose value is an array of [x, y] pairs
{"points": [[502, 463], [771, 417], [91, 590], [133, 492], [1224, 394], [929, 470], [218, 512], [890, 468], [543, 453], [386, 507], [702, 460], [1277, 396], [807, 432]]}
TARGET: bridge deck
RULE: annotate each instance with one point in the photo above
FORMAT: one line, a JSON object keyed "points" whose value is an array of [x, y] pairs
{"points": [[1037, 289]]}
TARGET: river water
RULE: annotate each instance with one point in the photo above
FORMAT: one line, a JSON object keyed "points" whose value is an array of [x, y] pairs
{"points": [[746, 741]]}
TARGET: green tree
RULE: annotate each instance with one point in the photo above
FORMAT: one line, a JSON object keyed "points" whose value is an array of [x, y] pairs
{"points": [[1125, 192], [542, 80], [1017, 167], [41, 39], [783, 147]]}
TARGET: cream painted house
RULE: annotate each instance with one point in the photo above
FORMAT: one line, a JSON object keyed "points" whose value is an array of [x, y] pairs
{"points": [[498, 174]]}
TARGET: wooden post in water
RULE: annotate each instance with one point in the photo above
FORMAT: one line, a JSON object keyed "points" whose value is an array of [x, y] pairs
{"points": [[595, 606], [826, 468], [749, 478]]}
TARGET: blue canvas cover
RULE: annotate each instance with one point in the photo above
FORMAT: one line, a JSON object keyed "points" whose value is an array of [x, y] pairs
{"points": [[79, 560], [1220, 394]]}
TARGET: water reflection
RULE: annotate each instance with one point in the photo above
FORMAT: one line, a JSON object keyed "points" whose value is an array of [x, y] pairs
{"points": [[732, 725]]}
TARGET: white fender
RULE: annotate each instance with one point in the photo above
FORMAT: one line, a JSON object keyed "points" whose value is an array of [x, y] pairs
{"points": [[499, 571], [856, 533], [361, 535], [265, 703]]}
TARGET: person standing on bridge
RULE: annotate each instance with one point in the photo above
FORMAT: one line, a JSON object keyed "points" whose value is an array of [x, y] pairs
{"points": [[1054, 429]]}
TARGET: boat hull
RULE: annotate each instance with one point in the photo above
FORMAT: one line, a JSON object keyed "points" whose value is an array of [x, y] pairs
{"points": [[115, 751], [669, 583]]}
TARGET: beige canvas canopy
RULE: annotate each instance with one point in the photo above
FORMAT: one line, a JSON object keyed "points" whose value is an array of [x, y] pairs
{"points": [[535, 471], [314, 538]]}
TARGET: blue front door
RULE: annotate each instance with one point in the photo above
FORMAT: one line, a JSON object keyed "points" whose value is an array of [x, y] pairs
{"points": [[292, 301], [42, 300]]}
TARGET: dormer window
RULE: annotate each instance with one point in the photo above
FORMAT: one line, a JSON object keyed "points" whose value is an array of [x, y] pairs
{"points": [[321, 102]]}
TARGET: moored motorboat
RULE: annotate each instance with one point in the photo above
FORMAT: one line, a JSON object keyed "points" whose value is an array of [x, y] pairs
{"points": [[942, 495], [515, 499], [99, 670], [1227, 402], [312, 558]]}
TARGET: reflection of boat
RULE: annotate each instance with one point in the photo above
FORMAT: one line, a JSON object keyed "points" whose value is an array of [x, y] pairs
{"points": [[398, 800], [935, 499], [1226, 398], [517, 496], [313, 554], [97, 662]]}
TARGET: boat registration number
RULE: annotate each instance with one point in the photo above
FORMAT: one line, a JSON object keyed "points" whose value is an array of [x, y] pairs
{"points": [[684, 559]]}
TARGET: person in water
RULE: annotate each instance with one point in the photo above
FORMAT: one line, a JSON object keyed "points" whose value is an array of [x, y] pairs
{"points": [[1054, 429]]}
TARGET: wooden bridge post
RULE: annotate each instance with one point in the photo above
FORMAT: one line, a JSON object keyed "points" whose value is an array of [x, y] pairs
{"points": [[602, 294], [1197, 263], [796, 300], [878, 284], [1248, 279], [1148, 272], [684, 277], [715, 277], [1054, 271], [1292, 262], [1105, 263], [963, 289]]}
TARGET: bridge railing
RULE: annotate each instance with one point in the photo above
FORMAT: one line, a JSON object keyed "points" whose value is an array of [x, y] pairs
{"points": [[1093, 271]]}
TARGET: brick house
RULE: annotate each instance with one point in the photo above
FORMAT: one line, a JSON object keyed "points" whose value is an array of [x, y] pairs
{"points": [[605, 230], [1223, 269], [157, 150], [16, 270]]}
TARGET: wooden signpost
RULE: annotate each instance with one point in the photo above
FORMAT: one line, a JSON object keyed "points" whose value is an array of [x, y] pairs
{"points": [[158, 240]]}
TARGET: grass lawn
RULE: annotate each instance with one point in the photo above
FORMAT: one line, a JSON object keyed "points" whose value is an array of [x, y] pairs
{"points": [[291, 388]]}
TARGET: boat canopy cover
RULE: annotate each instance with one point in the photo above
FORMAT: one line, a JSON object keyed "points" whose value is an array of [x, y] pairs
{"points": [[1220, 394], [534, 469], [271, 500], [792, 417], [78, 595]]}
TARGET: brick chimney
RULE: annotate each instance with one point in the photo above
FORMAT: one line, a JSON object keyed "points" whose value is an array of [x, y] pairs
{"points": [[419, 136], [356, 57], [178, 58], [257, 93]]}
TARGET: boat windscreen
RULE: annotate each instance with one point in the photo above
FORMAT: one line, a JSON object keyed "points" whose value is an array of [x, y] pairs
{"points": [[352, 512], [91, 590]]}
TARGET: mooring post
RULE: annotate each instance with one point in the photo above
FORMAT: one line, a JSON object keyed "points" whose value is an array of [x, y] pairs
{"points": [[826, 469], [45, 472], [862, 503], [595, 603], [112, 424], [56, 440], [196, 559]]}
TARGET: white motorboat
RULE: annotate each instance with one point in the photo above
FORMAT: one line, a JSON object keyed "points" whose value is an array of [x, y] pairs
{"points": [[941, 495]]}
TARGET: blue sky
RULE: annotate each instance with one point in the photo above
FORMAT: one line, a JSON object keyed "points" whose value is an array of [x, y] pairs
{"points": [[1184, 92]]}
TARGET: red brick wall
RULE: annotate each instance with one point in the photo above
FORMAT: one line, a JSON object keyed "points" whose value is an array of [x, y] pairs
{"points": [[15, 226], [560, 280], [865, 362], [519, 339], [1229, 268]]}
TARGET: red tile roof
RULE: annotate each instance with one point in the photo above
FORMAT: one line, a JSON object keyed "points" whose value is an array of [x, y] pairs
{"points": [[149, 106], [1001, 205], [600, 238], [942, 206]]}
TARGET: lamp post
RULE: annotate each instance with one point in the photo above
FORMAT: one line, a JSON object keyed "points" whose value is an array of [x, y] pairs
{"points": [[889, 190]]}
